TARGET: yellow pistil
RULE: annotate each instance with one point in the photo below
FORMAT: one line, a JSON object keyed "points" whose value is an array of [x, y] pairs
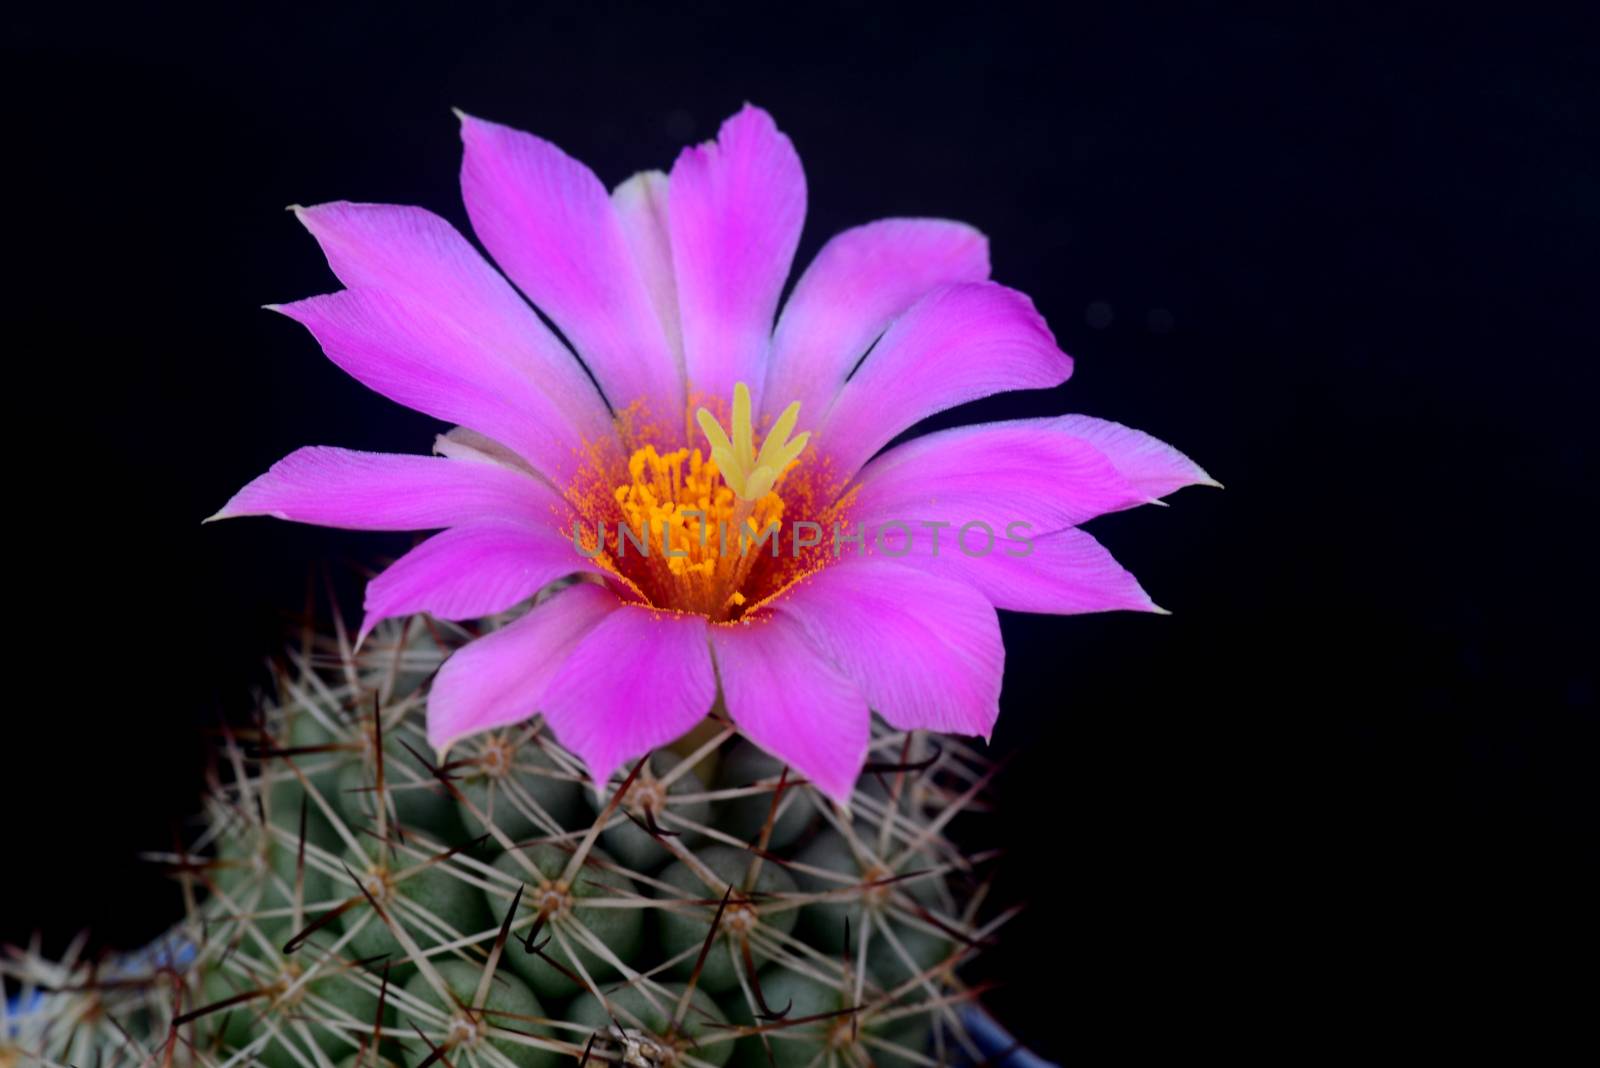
{"points": [[751, 474]]}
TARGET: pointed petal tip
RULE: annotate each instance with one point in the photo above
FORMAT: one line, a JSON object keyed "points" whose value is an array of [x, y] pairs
{"points": [[306, 213], [369, 623], [840, 798], [227, 511], [751, 109], [471, 127], [1149, 605], [471, 124], [601, 783]]}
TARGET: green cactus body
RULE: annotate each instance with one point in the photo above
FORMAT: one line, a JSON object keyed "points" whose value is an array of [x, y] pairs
{"points": [[664, 794], [863, 894], [578, 938], [747, 778], [658, 1018], [414, 798], [509, 780], [296, 1005], [508, 1017], [295, 783], [259, 870], [756, 915], [709, 909], [822, 1025], [404, 889]]}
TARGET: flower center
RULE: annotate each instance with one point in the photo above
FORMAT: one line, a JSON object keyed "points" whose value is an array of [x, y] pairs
{"points": [[707, 531], [698, 535]]}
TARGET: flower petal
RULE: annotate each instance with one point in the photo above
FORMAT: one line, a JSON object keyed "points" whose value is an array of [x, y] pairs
{"points": [[738, 204], [641, 204], [923, 650], [549, 223], [1150, 464], [860, 281], [414, 356], [423, 260], [498, 679], [992, 476], [639, 680], [956, 344], [384, 491], [460, 443], [471, 571], [788, 699], [1062, 573]]}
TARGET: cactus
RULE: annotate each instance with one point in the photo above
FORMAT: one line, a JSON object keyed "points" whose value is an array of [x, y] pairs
{"points": [[355, 901]]}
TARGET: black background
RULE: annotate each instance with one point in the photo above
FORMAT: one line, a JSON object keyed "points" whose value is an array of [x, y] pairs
{"points": [[1350, 265]]}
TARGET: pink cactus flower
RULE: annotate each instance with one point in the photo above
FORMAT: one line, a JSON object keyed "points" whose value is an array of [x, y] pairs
{"points": [[712, 468]]}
